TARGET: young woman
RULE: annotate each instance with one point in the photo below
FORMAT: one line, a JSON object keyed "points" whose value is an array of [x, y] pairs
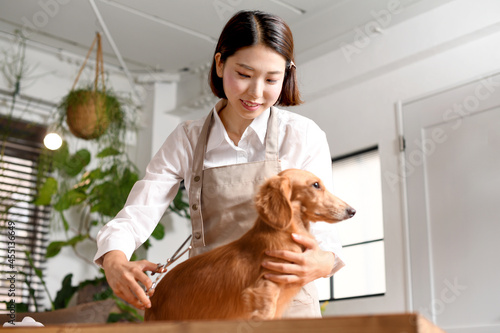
{"points": [[222, 159]]}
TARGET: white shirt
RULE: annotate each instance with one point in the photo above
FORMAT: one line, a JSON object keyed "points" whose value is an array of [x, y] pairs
{"points": [[302, 145]]}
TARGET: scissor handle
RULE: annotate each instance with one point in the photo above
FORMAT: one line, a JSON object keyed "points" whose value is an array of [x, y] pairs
{"points": [[161, 269]]}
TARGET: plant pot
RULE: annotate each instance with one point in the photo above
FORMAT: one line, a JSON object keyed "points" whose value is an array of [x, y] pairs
{"points": [[86, 114]]}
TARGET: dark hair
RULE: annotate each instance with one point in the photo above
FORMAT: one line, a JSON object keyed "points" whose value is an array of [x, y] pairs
{"points": [[248, 28]]}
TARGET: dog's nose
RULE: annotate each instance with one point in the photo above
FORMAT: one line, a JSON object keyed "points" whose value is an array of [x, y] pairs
{"points": [[351, 211]]}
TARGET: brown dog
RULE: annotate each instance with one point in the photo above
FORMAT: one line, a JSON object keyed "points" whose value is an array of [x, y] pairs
{"points": [[228, 282]]}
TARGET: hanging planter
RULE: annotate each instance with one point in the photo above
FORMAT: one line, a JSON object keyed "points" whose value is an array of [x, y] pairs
{"points": [[89, 111], [86, 114]]}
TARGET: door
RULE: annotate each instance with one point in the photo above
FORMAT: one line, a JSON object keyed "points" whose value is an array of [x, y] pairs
{"points": [[452, 179]]}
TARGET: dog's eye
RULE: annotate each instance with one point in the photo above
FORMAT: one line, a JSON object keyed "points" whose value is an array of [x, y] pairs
{"points": [[316, 185]]}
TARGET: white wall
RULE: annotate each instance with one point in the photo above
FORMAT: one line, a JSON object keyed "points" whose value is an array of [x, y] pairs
{"points": [[353, 96]]}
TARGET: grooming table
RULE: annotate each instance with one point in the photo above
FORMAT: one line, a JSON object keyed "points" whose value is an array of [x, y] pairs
{"points": [[390, 323]]}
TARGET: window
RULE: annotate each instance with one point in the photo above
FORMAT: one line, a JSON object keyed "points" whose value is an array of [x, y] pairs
{"points": [[23, 226], [357, 181]]}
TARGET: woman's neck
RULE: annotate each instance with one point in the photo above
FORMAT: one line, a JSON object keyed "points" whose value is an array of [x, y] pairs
{"points": [[235, 126]]}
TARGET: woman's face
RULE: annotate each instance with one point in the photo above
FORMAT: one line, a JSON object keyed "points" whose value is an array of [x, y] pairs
{"points": [[252, 80]]}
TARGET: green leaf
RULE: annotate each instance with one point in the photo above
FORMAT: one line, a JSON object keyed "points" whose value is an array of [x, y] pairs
{"points": [[64, 295], [64, 221], [127, 312], [22, 307], [71, 198], [61, 156], [147, 244], [54, 248], [159, 232], [109, 151], [76, 162], [48, 189], [103, 295], [178, 201], [94, 175], [78, 238], [114, 317]]}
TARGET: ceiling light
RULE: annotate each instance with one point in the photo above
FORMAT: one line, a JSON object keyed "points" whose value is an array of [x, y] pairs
{"points": [[52, 141]]}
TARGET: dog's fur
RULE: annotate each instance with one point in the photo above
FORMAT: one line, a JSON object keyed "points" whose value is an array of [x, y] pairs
{"points": [[228, 282]]}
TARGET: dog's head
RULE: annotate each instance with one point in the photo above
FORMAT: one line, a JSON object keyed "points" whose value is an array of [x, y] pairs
{"points": [[294, 188]]}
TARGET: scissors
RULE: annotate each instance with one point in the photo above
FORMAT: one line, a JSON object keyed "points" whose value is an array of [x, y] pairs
{"points": [[161, 269]]}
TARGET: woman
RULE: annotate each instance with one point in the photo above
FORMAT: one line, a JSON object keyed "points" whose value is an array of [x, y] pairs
{"points": [[222, 160]]}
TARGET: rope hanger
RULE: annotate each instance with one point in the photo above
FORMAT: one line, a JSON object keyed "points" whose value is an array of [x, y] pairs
{"points": [[99, 64]]}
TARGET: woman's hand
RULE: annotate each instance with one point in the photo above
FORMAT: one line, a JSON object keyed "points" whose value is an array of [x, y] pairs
{"points": [[300, 268], [122, 276]]}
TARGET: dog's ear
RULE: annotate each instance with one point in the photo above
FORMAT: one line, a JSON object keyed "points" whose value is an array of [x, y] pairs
{"points": [[273, 202]]}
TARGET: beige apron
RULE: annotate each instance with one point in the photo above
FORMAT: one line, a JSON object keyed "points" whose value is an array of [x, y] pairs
{"points": [[222, 208]]}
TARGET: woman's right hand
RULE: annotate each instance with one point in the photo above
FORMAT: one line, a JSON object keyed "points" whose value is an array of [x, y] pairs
{"points": [[123, 277]]}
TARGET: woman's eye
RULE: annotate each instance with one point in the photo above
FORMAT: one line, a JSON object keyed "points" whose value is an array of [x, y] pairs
{"points": [[243, 75], [316, 185], [272, 81]]}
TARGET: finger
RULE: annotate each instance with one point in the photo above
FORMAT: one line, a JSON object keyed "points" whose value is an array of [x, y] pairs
{"points": [[144, 279], [286, 268], [126, 294], [141, 296], [285, 255], [308, 242], [147, 265], [283, 279]]}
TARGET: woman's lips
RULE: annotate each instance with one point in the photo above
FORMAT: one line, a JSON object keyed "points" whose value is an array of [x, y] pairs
{"points": [[249, 105]]}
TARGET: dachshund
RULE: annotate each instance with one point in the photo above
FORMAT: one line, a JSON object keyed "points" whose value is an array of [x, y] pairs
{"points": [[228, 282]]}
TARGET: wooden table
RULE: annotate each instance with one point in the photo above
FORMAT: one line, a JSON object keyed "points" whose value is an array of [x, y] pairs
{"points": [[396, 323]]}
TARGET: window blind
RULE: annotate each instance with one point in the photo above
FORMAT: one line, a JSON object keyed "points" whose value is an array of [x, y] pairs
{"points": [[24, 226]]}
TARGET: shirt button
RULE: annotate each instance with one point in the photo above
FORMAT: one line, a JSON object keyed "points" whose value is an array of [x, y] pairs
{"points": [[197, 178], [197, 235], [194, 206]]}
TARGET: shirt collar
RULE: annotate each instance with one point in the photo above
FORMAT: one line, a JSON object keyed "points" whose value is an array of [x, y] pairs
{"points": [[218, 132], [259, 125]]}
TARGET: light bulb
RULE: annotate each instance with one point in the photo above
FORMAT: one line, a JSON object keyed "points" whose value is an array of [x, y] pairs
{"points": [[52, 141]]}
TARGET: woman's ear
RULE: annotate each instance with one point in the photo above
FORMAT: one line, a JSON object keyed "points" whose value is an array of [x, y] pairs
{"points": [[273, 202], [219, 65]]}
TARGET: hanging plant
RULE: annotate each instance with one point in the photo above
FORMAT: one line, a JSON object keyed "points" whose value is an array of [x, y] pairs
{"points": [[90, 111]]}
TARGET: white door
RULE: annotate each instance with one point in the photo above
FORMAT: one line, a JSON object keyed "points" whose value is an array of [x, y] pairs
{"points": [[452, 178]]}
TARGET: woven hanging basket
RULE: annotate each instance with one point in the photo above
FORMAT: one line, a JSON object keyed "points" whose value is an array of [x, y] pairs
{"points": [[86, 109], [86, 116]]}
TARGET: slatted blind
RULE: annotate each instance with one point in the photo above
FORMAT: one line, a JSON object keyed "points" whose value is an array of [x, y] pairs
{"points": [[23, 226]]}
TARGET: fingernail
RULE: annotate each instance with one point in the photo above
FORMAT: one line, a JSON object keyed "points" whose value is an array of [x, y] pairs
{"points": [[297, 236]]}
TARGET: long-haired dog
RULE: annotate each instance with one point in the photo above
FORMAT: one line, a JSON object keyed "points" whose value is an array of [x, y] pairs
{"points": [[228, 282]]}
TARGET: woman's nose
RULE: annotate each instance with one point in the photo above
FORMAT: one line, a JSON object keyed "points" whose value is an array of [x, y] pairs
{"points": [[255, 90]]}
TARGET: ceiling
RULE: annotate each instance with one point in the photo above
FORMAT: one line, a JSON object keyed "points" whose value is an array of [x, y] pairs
{"points": [[175, 39], [174, 35]]}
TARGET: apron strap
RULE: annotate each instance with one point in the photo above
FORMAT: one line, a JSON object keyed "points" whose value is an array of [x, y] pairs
{"points": [[196, 183], [272, 136]]}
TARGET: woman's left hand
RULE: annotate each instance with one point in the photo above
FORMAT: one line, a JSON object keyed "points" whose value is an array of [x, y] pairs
{"points": [[300, 268]]}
